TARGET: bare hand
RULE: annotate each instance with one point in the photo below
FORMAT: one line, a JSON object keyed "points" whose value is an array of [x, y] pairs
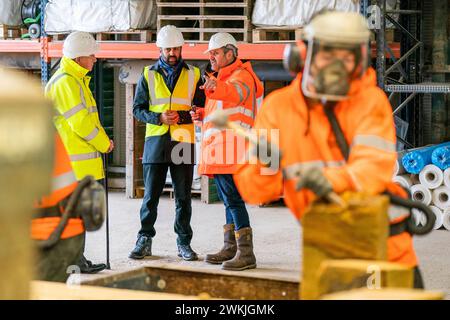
{"points": [[111, 146], [169, 117], [209, 85], [196, 114]]}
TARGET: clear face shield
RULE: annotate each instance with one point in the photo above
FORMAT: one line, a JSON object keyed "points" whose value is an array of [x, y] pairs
{"points": [[330, 69]]}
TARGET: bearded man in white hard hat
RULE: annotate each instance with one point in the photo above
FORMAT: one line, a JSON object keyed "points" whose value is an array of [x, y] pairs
{"points": [[77, 119], [234, 88], [165, 94]]}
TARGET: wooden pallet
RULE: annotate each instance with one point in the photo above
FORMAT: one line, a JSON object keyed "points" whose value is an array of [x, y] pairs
{"points": [[275, 35], [10, 32], [143, 36], [138, 36], [167, 190], [199, 20]]}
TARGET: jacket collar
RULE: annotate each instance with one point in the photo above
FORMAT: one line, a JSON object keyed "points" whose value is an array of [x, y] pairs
{"points": [[228, 70], [73, 68]]}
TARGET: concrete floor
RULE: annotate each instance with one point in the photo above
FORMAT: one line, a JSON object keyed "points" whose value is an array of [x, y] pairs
{"points": [[276, 240]]}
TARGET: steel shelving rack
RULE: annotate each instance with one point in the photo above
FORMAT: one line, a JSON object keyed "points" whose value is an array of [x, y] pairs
{"points": [[404, 78]]}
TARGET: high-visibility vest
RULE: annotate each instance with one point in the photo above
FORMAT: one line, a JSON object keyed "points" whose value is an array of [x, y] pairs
{"points": [[161, 99], [63, 184], [77, 119]]}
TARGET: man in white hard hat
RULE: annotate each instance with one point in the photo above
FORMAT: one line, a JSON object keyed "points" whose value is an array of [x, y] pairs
{"points": [[165, 93], [336, 129], [77, 119], [234, 88]]}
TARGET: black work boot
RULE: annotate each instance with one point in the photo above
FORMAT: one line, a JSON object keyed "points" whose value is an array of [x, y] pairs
{"points": [[185, 251], [142, 249], [229, 248], [244, 258], [87, 266]]}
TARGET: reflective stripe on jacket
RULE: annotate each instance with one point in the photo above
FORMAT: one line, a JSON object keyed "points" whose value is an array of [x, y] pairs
{"points": [[63, 184], [238, 87], [77, 120], [306, 139], [161, 99]]}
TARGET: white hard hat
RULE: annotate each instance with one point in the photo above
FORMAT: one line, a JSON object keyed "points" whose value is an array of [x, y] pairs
{"points": [[336, 26], [169, 37], [220, 40], [80, 44]]}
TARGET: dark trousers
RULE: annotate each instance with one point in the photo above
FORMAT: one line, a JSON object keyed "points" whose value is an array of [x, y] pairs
{"points": [[418, 281], [154, 181], [235, 210], [54, 263]]}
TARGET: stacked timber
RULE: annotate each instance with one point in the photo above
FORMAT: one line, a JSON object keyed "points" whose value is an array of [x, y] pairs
{"points": [[330, 232]]}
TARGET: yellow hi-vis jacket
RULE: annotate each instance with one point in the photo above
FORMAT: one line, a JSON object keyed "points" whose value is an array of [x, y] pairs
{"points": [[77, 119], [161, 99]]}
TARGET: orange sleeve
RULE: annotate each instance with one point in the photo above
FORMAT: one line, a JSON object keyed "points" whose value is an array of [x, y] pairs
{"points": [[235, 90], [252, 179], [370, 166]]}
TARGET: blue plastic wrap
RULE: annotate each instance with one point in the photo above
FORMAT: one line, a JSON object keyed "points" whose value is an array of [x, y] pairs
{"points": [[441, 157], [416, 160]]}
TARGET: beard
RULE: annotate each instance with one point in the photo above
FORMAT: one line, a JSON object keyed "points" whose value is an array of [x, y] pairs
{"points": [[172, 60]]}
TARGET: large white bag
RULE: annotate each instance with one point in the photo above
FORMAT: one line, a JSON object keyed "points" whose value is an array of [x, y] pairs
{"points": [[64, 16], [295, 12], [10, 12]]}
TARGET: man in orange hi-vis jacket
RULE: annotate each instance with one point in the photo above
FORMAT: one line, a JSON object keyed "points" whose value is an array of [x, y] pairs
{"points": [[48, 217], [335, 83], [62, 216], [234, 89]]}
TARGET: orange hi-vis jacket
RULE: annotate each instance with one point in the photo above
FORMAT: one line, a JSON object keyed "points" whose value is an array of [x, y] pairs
{"points": [[307, 139], [237, 89], [63, 184]]}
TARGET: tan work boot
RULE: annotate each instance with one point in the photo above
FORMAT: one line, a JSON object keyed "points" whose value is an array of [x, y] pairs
{"points": [[229, 248], [244, 258]]}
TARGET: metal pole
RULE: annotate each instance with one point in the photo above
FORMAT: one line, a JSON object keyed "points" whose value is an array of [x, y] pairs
{"points": [[381, 56], [45, 65], [105, 160]]}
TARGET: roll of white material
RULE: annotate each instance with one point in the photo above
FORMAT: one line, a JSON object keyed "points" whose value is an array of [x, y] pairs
{"points": [[421, 193], [441, 197], [439, 217], [447, 178], [446, 219], [431, 176], [419, 217], [404, 181]]}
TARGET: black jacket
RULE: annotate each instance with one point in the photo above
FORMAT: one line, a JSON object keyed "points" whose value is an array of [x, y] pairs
{"points": [[157, 149]]}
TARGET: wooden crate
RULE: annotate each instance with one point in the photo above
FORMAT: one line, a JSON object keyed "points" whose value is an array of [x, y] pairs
{"points": [[199, 20], [275, 34], [138, 36], [9, 32], [143, 36], [167, 190]]}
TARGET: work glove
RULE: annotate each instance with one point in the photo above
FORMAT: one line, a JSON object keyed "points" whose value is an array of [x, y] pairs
{"points": [[314, 180]]}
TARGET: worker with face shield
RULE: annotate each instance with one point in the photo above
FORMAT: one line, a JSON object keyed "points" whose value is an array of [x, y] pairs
{"points": [[336, 128]]}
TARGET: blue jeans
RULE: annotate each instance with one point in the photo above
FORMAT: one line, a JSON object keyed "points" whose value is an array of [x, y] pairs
{"points": [[235, 210]]}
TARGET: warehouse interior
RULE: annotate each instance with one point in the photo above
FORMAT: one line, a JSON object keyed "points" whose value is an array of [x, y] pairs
{"points": [[410, 53]]}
